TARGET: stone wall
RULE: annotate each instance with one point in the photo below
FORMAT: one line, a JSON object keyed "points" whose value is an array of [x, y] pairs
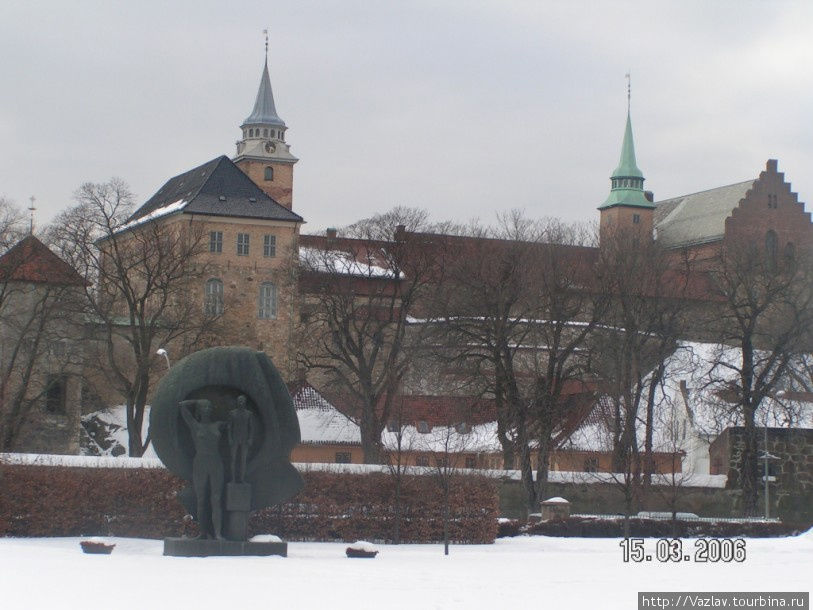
{"points": [[793, 470]]}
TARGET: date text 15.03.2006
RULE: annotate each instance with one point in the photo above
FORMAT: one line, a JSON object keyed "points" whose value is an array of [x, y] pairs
{"points": [[703, 550]]}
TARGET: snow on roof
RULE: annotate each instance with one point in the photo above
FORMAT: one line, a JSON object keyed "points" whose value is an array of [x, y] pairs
{"points": [[320, 422], [445, 439], [343, 263], [166, 210], [318, 426]]}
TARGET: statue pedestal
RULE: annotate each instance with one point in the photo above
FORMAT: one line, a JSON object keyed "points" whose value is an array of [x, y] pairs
{"points": [[238, 505], [205, 547]]}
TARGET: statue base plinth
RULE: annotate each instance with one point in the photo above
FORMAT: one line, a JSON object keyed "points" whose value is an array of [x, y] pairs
{"points": [[205, 547]]}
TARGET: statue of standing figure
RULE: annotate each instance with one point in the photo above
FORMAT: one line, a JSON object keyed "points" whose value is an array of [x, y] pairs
{"points": [[207, 468], [241, 431]]}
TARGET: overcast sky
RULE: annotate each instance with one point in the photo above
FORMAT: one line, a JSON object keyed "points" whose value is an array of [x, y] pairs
{"points": [[464, 108]]}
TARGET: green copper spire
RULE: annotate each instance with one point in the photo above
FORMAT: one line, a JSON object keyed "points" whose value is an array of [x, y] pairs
{"points": [[627, 180]]}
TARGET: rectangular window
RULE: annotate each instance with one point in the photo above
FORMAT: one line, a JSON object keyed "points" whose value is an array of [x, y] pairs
{"points": [[422, 460], [636, 218], [216, 241], [242, 244], [267, 306], [270, 246], [471, 462], [343, 457], [55, 394]]}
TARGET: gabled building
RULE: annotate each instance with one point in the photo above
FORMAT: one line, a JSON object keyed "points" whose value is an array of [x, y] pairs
{"points": [[244, 209], [41, 336]]}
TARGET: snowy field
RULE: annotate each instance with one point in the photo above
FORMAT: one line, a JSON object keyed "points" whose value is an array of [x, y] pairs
{"points": [[524, 572]]}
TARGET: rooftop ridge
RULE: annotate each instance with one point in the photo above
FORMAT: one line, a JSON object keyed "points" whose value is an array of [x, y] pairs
{"points": [[716, 188]]}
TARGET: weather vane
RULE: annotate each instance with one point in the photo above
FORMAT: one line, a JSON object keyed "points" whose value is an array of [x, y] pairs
{"points": [[266, 43], [31, 209], [629, 89]]}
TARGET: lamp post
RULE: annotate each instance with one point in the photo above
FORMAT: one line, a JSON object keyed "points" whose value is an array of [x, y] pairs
{"points": [[766, 457], [162, 352]]}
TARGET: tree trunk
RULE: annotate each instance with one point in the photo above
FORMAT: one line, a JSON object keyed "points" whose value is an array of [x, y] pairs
{"points": [[749, 468]]}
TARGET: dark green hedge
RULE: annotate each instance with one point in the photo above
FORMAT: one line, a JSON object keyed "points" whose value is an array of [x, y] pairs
{"points": [[583, 527], [62, 501]]}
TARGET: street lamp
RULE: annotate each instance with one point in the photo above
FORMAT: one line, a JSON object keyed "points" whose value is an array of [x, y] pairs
{"points": [[767, 456], [162, 352]]}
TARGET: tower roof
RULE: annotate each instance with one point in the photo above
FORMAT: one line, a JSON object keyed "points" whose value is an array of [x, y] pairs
{"points": [[627, 167], [627, 179], [264, 113]]}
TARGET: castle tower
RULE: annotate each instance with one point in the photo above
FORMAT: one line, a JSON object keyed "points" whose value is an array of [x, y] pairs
{"points": [[628, 208], [262, 153]]}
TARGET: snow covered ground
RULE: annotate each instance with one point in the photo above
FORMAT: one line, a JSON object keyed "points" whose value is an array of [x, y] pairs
{"points": [[524, 572]]}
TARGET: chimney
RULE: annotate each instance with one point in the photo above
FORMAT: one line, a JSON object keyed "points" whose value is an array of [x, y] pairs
{"points": [[400, 233], [331, 233], [650, 196]]}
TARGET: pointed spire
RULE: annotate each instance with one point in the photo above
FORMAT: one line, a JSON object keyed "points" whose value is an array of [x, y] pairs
{"points": [[627, 166], [627, 180], [265, 112]]}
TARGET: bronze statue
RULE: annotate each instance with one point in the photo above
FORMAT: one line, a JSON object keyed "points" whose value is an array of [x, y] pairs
{"points": [[193, 418], [207, 467], [241, 429]]}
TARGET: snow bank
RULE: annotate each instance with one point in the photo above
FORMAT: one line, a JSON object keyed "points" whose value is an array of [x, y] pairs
{"points": [[265, 538], [363, 545], [555, 476]]}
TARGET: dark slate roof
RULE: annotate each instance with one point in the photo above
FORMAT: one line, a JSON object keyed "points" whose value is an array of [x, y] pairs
{"points": [[219, 188], [31, 261]]}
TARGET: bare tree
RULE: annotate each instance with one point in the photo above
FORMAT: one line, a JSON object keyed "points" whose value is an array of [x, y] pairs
{"points": [[12, 224], [144, 287], [765, 311], [517, 310], [446, 445], [399, 447], [359, 293], [648, 291]]}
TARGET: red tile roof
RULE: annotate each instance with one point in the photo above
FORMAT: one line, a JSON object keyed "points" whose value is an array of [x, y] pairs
{"points": [[31, 261]]}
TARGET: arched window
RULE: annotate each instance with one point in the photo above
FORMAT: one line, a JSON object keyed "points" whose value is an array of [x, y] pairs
{"points": [[790, 254], [269, 174], [267, 309], [771, 246], [213, 297]]}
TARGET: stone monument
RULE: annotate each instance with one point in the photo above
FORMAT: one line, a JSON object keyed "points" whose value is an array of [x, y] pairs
{"points": [[222, 419]]}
